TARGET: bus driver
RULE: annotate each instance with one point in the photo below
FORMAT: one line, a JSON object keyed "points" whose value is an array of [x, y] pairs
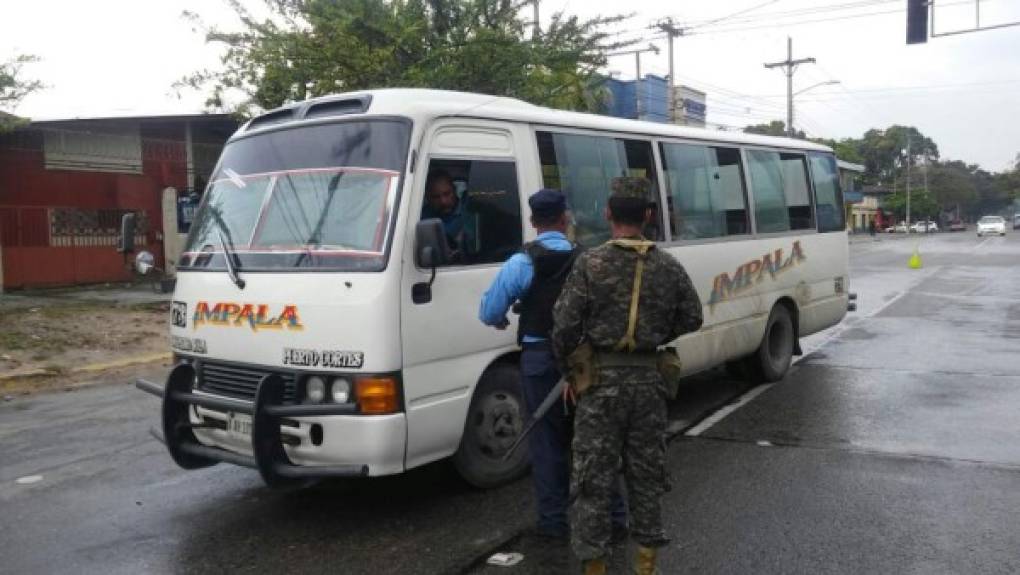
{"points": [[441, 202]]}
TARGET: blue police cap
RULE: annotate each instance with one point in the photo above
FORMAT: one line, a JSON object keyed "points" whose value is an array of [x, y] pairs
{"points": [[548, 202]]}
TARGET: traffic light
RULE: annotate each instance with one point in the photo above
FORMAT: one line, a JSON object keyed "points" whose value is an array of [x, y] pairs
{"points": [[917, 21]]}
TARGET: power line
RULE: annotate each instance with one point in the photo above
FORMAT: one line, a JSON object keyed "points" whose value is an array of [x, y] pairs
{"points": [[733, 15], [800, 12], [816, 20]]}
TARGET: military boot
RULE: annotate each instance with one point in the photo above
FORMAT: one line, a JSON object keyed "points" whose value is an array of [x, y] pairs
{"points": [[595, 566], [644, 561]]}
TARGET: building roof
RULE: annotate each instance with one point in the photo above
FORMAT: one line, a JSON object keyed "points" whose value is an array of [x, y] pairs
{"points": [[426, 105], [843, 165], [138, 118]]}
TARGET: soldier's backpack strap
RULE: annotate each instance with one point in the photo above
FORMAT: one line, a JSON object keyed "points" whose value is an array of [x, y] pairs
{"points": [[627, 343]]}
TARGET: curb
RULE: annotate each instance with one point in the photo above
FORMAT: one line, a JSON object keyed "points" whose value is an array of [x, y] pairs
{"points": [[90, 368]]}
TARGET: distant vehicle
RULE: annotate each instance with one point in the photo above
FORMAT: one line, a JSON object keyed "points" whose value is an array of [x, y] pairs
{"points": [[991, 225], [900, 228], [957, 226], [1016, 221], [923, 227]]}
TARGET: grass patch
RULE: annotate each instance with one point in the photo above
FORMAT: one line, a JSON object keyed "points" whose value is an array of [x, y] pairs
{"points": [[10, 340]]}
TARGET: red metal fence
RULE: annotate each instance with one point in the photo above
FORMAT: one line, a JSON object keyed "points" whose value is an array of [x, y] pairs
{"points": [[63, 246]]}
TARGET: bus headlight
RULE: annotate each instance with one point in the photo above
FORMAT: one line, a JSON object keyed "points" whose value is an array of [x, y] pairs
{"points": [[315, 389], [340, 390]]}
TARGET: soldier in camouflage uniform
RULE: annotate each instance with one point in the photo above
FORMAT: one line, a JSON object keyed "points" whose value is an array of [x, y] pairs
{"points": [[621, 418]]}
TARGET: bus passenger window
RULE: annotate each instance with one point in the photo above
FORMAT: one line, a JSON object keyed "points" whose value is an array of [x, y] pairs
{"points": [[798, 194], [782, 200], [583, 167], [828, 196], [479, 206], [706, 191]]}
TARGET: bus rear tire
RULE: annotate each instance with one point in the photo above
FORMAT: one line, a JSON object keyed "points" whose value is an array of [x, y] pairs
{"points": [[495, 419], [772, 360]]}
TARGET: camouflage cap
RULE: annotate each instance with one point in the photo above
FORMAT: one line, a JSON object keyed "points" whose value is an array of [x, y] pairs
{"points": [[631, 187]]}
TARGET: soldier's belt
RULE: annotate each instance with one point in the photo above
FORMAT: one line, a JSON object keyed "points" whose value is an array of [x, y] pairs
{"points": [[623, 359]]}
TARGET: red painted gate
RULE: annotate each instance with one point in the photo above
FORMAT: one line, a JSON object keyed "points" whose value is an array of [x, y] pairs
{"points": [[64, 246]]}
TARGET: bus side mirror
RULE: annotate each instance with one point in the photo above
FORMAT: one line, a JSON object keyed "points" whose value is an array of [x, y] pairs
{"points": [[126, 243], [430, 251], [431, 248]]}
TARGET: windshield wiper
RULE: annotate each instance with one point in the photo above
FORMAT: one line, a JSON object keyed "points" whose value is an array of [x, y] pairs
{"points": [[316, 237], [228, 255]]}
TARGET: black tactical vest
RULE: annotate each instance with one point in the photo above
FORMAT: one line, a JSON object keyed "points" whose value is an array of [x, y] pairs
{"points": [[550, 271]]}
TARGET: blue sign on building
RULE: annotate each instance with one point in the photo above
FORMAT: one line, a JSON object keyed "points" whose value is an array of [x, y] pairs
{"points": [[694, 109], [186, 207]]}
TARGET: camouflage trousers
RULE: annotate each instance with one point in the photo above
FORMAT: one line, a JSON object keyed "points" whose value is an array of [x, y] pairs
{"points": [[619, 422]]}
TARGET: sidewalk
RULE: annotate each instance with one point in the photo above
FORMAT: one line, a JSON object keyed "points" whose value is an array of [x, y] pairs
{"points": [[866, 238], [61, 338], [119, 294]]}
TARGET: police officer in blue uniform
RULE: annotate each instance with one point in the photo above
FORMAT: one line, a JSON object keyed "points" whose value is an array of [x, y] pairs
{"points": [[534, 277]]}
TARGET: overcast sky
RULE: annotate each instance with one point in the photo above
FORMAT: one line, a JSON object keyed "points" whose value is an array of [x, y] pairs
{"points": [[118, 57]]}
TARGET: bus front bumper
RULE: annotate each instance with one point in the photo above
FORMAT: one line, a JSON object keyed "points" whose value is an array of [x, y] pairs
{"points": [[273, 453]]}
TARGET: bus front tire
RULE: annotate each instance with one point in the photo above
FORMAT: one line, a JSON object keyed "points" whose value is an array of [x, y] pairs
{"points": [[495, 418], [772, 360]]}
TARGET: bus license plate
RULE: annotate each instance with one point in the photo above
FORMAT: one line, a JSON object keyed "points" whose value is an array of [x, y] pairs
{"points": [[240, 426]]}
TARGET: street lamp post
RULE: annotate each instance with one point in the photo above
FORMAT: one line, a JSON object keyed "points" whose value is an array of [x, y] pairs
{"points": [[789, 111]]}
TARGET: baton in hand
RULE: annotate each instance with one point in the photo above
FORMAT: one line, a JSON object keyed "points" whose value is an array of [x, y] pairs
{"points": [[543, 408]]}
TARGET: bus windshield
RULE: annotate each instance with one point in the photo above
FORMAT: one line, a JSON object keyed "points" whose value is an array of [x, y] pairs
{"points": [[320, 197]]}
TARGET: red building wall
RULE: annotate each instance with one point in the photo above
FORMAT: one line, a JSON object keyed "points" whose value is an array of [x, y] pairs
{"points": [[35, 202]]}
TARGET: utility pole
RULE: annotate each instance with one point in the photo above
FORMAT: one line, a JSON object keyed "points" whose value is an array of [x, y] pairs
{"points": [[536, 31], [908, 183], [791, 66], [637, 61], [672, 31]]}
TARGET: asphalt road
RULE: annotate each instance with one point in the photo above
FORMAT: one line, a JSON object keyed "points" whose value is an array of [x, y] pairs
{"points": [[891, 447]]}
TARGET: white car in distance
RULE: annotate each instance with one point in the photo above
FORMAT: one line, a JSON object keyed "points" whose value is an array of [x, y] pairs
{"points": [[991, 225], [922, 227]]}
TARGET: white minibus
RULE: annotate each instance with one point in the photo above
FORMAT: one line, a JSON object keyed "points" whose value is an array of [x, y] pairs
{"points": [[323, 327]]}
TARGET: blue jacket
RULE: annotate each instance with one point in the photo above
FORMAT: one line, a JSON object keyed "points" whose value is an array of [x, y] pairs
{"points": [[513, 281]]}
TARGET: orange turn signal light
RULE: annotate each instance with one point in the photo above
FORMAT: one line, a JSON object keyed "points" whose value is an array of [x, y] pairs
{"points": [[377, 395]]}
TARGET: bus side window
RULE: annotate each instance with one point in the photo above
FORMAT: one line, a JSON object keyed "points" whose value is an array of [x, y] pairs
{"points": [[828, 196], [583, 168], [478, 203], [782, 199], [706, 191], [797, 192]]}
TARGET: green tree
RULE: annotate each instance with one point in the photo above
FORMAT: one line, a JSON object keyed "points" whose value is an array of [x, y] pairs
{"points": [[773, 128], [884, 152], [307, 48], [13, 89], [952, 183], [922, 206], [847, 149]]}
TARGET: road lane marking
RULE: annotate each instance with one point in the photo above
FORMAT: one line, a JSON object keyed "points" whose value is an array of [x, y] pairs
{"points": [[718, 416], [28, 479]]}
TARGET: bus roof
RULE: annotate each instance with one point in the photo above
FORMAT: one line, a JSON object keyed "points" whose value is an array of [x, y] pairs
{"points": [[422, 105]]}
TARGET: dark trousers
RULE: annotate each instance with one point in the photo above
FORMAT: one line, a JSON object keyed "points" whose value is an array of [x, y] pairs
{"points": [[549, 444]]}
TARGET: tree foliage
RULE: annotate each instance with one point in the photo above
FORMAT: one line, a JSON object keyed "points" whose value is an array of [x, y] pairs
{"points": [[308, 48], [773, 128], [14, 87]]}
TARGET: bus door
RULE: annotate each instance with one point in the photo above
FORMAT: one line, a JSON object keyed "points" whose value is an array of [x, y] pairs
{"points": [[471, 179]]}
